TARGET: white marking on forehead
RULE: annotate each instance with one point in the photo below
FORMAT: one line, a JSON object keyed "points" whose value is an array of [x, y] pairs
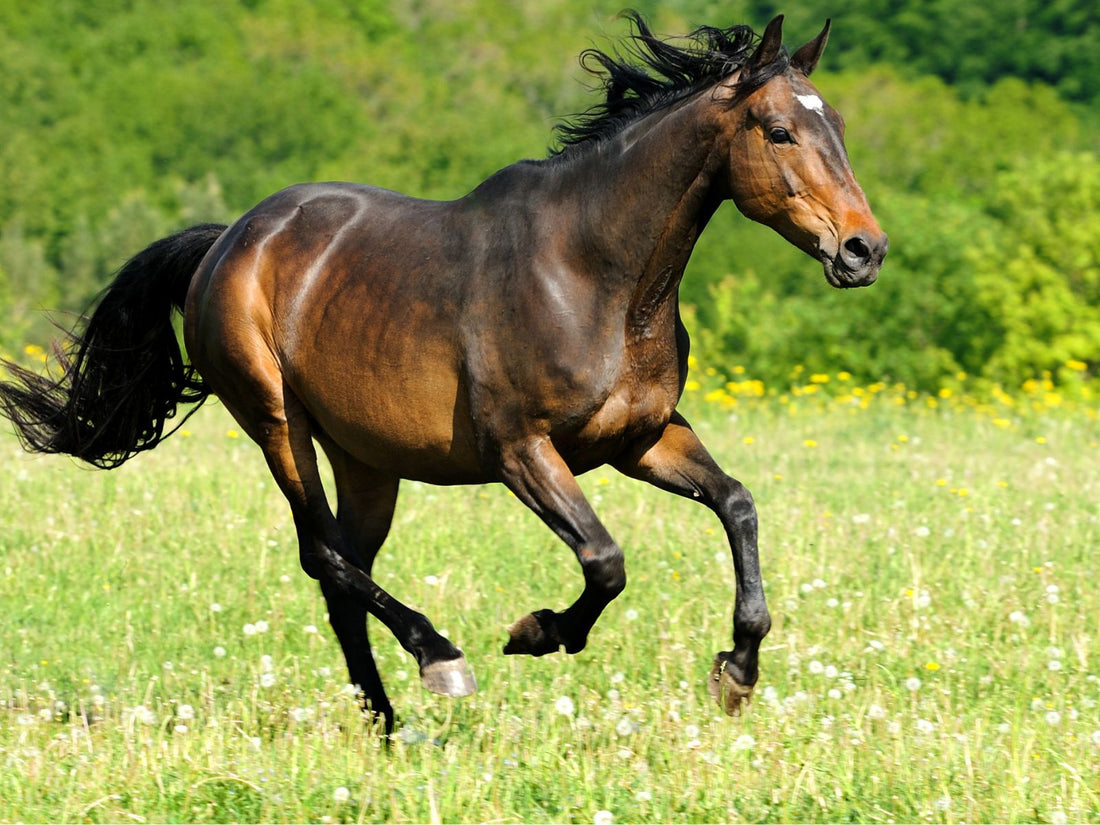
{"points": [[813, 103]]}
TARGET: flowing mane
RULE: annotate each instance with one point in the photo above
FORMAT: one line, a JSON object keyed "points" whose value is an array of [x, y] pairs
{"points": [[654, 74]]}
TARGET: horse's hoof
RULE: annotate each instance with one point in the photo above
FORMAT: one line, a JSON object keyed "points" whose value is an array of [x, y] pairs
{"points": [[730, 694], [533, 635], [451, 677]]}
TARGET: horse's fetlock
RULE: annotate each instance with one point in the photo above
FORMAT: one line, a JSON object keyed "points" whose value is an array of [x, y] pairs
{"points": [[753, 623]]}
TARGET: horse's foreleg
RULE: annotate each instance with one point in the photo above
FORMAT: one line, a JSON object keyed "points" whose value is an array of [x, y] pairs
{"points": [[678, 462], [540, 478]]}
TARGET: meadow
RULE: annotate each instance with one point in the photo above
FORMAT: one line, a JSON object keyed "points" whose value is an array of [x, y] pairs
{"points": [[930, 564]]}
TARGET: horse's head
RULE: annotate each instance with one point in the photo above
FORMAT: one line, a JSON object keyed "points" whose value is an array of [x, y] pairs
{"points": [[788, 166]]}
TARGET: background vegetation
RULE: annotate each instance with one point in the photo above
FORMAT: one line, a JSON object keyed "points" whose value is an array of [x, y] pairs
{"points": [[972, 126]]}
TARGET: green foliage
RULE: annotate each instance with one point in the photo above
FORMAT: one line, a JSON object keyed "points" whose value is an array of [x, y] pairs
{"points": [[125, 120], [969, 45], [1040, 271]]}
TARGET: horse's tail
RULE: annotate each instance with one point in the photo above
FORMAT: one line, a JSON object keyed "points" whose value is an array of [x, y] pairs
{"points": [[122, 371]]}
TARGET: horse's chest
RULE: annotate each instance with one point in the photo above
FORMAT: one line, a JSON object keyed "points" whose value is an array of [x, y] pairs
{"points": [[629, 412]]}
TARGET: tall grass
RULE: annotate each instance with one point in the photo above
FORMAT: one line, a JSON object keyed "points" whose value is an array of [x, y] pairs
{"points": [[931, 567]]}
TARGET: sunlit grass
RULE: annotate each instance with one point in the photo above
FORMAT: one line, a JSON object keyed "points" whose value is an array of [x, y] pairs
{"points": [[930, 566]]}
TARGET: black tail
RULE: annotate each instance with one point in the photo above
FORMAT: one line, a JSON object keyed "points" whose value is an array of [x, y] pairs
{"points": [[123, 374]]}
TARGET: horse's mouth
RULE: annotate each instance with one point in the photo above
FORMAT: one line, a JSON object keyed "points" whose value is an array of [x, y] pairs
{"points": [[839, 275]]}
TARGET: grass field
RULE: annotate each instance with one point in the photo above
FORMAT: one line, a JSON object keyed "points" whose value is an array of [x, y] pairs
{"points": [[931, 565]]}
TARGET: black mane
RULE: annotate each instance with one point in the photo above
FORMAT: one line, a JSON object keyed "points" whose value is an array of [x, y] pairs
{"points": [[655, 74]]}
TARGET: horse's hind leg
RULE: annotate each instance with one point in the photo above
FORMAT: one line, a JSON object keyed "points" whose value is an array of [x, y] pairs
{"points": [[271, 414], [540, 478], [365, 502]]}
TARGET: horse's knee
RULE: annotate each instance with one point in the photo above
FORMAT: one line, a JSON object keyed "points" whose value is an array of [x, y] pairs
{"points": [[736, 503]]}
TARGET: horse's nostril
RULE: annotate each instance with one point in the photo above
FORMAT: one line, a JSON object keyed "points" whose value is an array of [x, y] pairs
{"points": [[858, 248]]}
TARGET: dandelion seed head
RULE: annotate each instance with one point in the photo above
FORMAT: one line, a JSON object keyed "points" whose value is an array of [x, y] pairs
{"points": [[744, 742], [267, 680], [604, 818], [564, 706], [341, 795], [913, 684], [219, 652], [1053, 718], [185, 712]]}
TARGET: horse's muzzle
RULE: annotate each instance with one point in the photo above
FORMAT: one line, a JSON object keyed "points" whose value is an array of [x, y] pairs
{"points": [[858, 261]]}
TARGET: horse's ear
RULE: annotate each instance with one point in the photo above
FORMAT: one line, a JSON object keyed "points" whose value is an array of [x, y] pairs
{"points": [[769, 47], [805, 59]]}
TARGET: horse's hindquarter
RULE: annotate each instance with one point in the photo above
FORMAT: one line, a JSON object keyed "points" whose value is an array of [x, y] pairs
{"points": [[346, 289]]}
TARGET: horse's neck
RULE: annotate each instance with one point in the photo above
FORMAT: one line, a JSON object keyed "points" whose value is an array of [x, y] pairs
{"points": [[642, 200]]}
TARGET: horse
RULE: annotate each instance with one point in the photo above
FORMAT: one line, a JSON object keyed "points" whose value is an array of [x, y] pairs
{"points": [[525, 333]]}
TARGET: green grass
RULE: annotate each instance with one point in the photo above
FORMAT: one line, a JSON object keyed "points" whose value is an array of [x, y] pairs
{"points": [[932, 576]]}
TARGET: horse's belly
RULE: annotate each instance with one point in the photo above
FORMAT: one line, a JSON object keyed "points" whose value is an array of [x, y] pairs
{"points": [[409, 423]]}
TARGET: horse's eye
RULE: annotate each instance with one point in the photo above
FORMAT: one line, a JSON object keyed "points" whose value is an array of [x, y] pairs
{"points": [[780, 135]]}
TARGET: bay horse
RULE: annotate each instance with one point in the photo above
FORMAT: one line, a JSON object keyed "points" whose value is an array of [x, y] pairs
{"points": [[525, 333]]}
